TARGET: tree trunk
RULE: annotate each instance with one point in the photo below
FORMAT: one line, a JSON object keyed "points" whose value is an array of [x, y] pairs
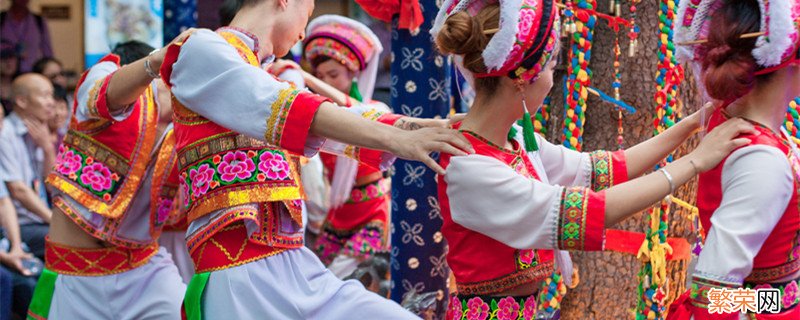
{"points": [[608, 280]]}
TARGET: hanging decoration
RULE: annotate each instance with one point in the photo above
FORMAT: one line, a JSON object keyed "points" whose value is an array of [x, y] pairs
{"points": [[653, 280], [633, 34], [793, 118], [541, 118], [617, 84], [579, 75]]}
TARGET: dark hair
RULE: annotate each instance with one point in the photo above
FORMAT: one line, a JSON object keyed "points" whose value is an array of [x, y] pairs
{"points": [[59, 93], [728, 64], [228, 10], [464, 35], [318, 60], [38, 67], [131, 51]]}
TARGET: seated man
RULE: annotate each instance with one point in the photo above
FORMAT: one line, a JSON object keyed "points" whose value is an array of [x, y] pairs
{"points": [[27, 151]]}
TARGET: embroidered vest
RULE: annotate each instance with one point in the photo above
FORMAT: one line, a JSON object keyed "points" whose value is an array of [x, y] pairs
{"points": [[164, 209], [780, 254], [481, 264], [219, 168], [101, 162]]}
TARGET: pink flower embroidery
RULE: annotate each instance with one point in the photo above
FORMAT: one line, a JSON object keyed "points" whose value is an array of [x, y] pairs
{"points": [[68, 163], [356, 195], [529, 309], [236, 165], [477, 309], [454, 309], [526, 256], [96, 176], [789, 294], [372, 191], [164, 207], [201, 179], [508, 309], [526, 18], [274, 165]]}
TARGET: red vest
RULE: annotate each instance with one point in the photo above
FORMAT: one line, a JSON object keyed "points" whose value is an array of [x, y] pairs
{"points": [[219, 168], [102, 162], [164, 209], [780, 254], [481, 264]]}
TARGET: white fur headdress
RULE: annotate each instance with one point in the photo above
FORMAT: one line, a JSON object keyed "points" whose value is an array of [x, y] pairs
{"points": [[780, 20]]}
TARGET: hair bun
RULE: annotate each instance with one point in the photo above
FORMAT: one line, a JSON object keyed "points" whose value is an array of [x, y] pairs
{"points": [[718, 55], [461, 34]]}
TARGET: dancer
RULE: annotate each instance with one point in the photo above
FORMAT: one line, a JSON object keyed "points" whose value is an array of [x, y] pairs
{"points": [[749, 202], [344, 54], [240, 188], [102, 257], [507, 207]]}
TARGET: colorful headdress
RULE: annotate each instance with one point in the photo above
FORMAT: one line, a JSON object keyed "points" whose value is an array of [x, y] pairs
{"points": [[527, 35], [780, 30], [349, 42]]}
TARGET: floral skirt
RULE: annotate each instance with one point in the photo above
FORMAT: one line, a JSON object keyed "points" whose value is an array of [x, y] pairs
{"points": [[546, 304]]}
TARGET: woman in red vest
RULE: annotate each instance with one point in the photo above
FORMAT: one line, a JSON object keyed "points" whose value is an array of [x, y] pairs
{"points": [[748, 203], [512, 206]]}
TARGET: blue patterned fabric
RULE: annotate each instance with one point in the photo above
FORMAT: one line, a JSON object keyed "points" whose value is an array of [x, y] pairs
{"points": [[179, 15], [420, 87]]}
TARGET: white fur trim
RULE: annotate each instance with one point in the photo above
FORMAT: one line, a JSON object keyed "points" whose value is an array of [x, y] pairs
{"points": [[366, 78], [771, 47], [441, 16], [498, 49]]}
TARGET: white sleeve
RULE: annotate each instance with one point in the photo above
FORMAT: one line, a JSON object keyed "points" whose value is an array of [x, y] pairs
{"points": [[489, 197], [211, 79], [757, 186], [565, 166], [88, 90]]}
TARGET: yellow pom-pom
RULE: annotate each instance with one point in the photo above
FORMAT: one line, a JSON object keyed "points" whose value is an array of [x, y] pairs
{"points": [[570, 113], [651, 315], [573, 141]]}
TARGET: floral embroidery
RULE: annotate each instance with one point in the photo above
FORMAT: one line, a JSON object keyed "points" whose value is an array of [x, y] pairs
{"points": [[454, 308], [201, 179], [487, 307], [508, 309], [164, 208], [362, 241], [526, 259], [477, 309], [369, 192], [237, 168], [274, 165], [185, 193], [235, 165], [96, 176], [68, 163], [790, 294], [529, 309]]}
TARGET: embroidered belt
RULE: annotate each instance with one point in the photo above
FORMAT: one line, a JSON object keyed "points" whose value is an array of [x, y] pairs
{"points": [[229, 247], [72, 261], [509, 281], [761, 275], [371, 191]]}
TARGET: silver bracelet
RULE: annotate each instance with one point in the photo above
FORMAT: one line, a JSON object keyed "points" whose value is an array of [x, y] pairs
{"points": [[147, 69], [669, 179]]}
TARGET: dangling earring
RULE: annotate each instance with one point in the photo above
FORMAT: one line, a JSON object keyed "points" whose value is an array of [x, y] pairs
{"points": [[527, 124], [355, 93]]}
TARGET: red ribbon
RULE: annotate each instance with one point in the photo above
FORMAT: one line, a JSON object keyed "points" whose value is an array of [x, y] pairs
{"points": [[630, 242]]}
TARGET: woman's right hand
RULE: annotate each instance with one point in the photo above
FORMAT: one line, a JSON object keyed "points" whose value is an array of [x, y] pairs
{"points": [[719, 143]]}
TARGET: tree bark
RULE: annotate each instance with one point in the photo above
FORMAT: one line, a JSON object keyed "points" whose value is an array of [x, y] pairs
{"points": [[608, 280]]}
